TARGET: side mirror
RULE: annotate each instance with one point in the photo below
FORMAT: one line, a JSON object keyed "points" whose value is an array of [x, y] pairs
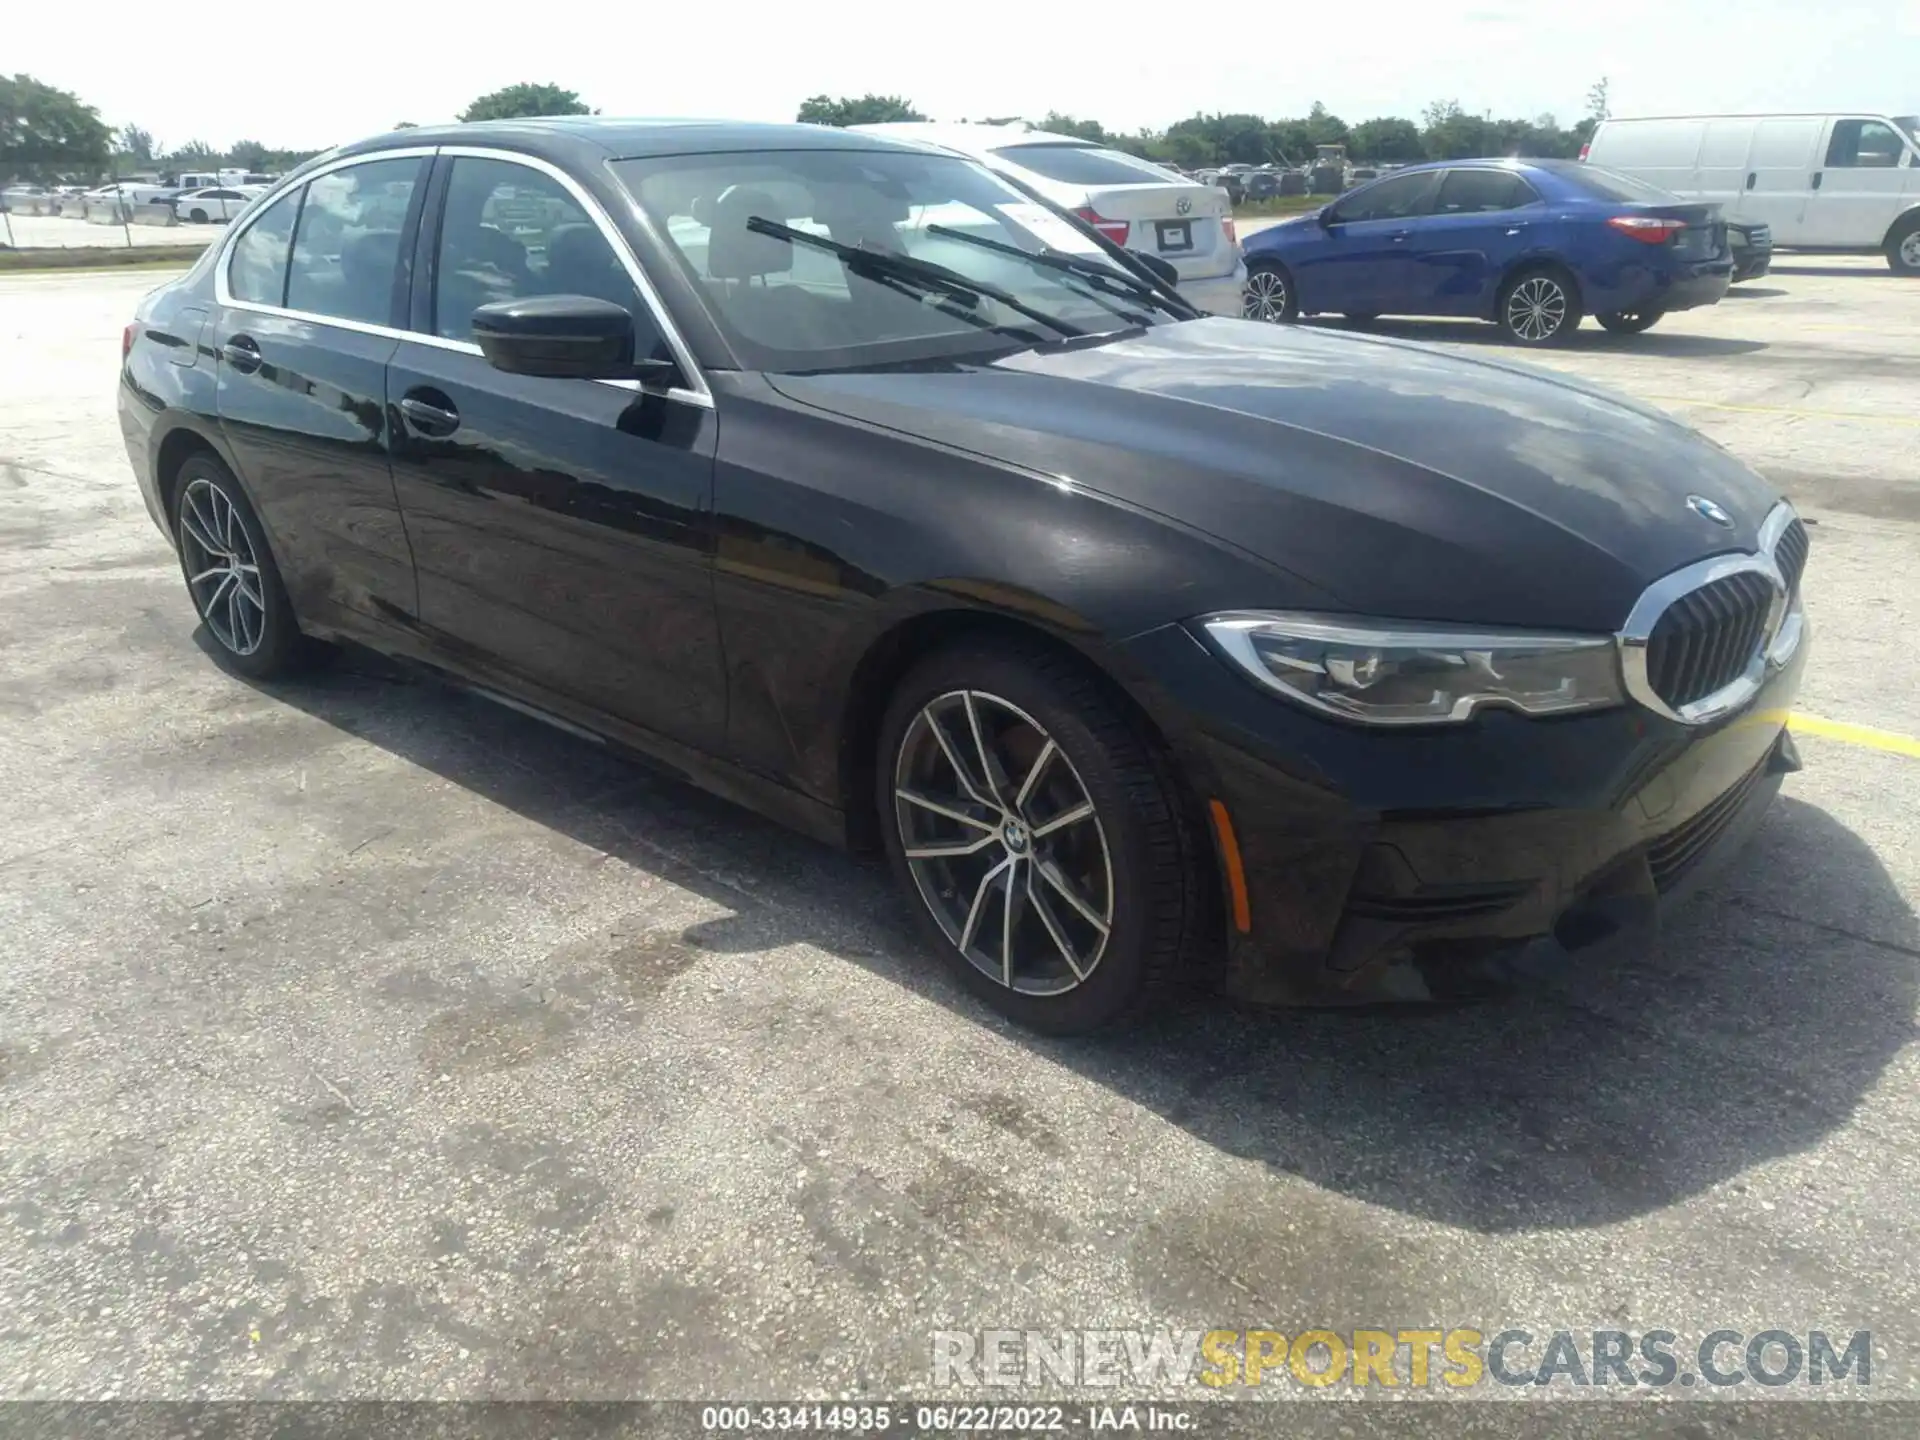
{"points": [[1162, 270], [569, 337]]}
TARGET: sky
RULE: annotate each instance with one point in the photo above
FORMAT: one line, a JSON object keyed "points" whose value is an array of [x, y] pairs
{"points": [[306, 76]]}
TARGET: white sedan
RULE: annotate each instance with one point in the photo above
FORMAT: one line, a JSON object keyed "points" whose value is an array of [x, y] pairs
{"points": [[1131, 201], [215, 203]]}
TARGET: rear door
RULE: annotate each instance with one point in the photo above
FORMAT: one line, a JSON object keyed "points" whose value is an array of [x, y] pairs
{"points": [[1721, 178], [1861, 185], [1780, 170], [562, 528], [309, 297], [1366, 265], [1136, 203], [1482, 221]]}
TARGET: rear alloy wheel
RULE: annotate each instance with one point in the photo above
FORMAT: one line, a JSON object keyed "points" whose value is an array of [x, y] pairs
{"points": [[1629, 322], [1039, 840], [1269, 294], [231, 575], [1903, 249], [1538, 307], [198, 217]]}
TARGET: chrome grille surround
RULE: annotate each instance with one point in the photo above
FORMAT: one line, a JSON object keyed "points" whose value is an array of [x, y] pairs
{"points": [[1780, 635]]}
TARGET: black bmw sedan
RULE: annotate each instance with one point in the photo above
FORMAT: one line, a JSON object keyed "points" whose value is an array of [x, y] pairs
{"points": [[1154, 650]]}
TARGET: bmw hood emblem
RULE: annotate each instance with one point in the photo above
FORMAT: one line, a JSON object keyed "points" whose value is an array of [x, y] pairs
{"points": [[1707, 510]]}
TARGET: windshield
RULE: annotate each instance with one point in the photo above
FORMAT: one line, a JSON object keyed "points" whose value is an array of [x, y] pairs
{"points": [[787, 306]]}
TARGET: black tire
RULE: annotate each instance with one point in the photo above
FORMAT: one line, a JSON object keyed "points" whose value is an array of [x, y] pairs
{"points": [[1903, 247], [198, 217], [263, 641], [1522, 308], [1270, 294], [1629, 322], [1154, 879]]}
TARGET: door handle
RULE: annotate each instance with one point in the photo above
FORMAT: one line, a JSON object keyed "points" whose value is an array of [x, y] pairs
{"points": [[1516, 227], [1751, 177], [242, 354], [428, 418], [1816, 179], [1400, 236]]}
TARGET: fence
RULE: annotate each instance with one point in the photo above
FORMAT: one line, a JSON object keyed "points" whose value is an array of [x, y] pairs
{"points": [[39, 231]]}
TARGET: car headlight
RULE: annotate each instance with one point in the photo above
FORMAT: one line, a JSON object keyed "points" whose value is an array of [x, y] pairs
{"points": [[1385, 672]]}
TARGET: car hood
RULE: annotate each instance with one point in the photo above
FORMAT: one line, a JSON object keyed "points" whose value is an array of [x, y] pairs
{"points": [[1399, 479]]}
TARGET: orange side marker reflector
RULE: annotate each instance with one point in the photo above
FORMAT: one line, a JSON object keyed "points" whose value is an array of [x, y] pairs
{"points": [[1236, 876]]}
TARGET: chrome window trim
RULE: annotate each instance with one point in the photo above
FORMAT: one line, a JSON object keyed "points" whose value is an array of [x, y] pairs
{"points": [[696, 392], [1785, 627]]}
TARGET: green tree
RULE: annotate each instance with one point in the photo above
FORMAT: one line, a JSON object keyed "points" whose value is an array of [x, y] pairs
{"points": [[1387, 138], [522, 102], [194, 155], [1598, 107], [136, 144], [1060, 124], [1452, 134], [46, 133], [249, 155], [845, 110], [1324, 127], [407, 125]]}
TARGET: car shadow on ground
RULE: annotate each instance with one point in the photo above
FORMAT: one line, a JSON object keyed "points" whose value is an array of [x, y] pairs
{"points": [[1588, 338], [1612, 1090], [1751, 292]]}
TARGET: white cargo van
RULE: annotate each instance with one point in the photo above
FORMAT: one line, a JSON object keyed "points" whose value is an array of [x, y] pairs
{"points": [[1843, 181]]}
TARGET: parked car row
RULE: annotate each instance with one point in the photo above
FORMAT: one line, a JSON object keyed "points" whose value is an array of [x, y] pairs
{"points": [[198, 204], [867, 484]]}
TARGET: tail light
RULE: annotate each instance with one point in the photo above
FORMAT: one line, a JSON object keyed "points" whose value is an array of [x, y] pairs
{"points": [[1648, 229], [1114, 230], [1226, 224], [1583, 151], [126, 341]]}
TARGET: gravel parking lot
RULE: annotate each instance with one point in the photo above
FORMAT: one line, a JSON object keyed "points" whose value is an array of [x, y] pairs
{"points": [[359, 1038]]}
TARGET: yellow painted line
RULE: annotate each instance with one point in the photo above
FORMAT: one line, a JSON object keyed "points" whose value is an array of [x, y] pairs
{"points": [[1888, 740], [1786, 410]]}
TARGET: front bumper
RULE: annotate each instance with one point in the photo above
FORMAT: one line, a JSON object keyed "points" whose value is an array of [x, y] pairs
{"points": [[1751, 264], [1223, 295], [1384, 865]]}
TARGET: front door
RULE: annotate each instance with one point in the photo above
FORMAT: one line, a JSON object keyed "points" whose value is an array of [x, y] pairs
{"points": [[1866, 181], [312, 290], [1363, 266], [562, 528]]}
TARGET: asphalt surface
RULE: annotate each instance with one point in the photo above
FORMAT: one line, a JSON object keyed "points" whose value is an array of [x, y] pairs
{"points": [[360, 1039]]}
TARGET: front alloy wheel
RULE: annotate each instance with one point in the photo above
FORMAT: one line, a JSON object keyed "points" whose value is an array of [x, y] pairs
{"points": [[1003, 843], [1268, 296], [1042, 838]]}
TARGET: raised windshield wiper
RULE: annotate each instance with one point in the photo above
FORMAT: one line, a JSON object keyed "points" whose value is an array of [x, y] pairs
{"points": [[1067, 263], [883, 265]]}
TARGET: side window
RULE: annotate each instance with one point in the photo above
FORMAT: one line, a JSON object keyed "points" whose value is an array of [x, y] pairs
{"points": [[346, 253], [1863, 144], [257, 269], [1469, 192], [1396, 199], [510, 231]]}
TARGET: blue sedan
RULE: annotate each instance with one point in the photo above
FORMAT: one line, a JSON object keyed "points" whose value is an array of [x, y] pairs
{"points": [[1532, 245]]}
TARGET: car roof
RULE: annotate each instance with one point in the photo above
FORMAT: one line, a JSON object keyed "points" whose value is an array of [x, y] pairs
{"points": [[594, 137]]}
